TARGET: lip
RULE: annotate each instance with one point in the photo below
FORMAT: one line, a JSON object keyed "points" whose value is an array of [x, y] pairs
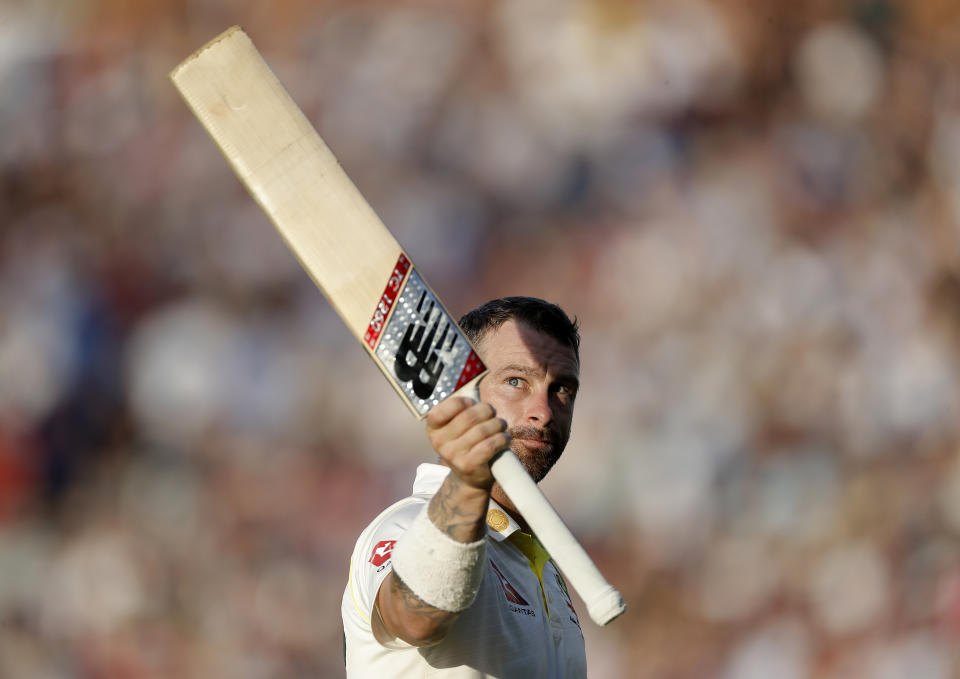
{"points": [[534, 443]]}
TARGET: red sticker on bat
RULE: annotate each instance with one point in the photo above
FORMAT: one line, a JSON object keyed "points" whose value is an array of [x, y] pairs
{"points": [[473, 367], [387, 299]]}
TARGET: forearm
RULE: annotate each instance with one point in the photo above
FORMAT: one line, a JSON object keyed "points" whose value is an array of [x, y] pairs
{"points": [[438, 563], [406, 616], [458, 511]]}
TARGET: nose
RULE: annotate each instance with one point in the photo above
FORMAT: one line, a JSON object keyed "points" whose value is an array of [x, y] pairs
{"points": [[537, 408]]}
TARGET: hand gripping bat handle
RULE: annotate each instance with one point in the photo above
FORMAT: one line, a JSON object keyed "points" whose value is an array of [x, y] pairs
{"points": [[604, 603]]}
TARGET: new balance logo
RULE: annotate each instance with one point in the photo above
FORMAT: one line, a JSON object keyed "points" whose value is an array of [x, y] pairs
{"points": [[417, 360]]}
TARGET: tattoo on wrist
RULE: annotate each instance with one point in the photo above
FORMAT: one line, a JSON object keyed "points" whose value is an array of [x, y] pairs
{"points": [[450, 517]]}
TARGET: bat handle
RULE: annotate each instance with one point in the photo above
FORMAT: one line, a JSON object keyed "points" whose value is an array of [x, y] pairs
{"points": [[604, 603]]}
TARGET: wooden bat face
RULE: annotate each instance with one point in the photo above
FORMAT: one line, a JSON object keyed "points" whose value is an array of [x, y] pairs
{"points": [[326, 222]]}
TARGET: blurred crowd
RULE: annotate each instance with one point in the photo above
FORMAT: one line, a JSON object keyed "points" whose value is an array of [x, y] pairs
{"points": [[752, 208]]}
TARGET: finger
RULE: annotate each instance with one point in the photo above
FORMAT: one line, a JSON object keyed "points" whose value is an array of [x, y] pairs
{"points": [[468, 449], [473, 465], [482, 431], [446, 410], [485, 449], [464, 420]]}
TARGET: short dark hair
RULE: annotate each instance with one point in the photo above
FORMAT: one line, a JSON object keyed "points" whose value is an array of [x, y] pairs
{"points": [[538, 314]]}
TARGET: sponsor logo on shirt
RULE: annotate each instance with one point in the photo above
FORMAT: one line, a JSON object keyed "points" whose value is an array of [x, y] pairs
{"points": [[515, 600], [381, 552]]}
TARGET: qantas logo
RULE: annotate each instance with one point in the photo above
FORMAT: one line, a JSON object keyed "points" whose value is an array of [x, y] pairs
{"points": [[515, 600], [513, 596], [381, 553]]}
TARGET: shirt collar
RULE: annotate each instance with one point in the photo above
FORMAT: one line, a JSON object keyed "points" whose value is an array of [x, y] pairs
{"points": [[500, 525]]}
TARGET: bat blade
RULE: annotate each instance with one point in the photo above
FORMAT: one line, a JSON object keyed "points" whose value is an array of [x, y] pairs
{"points": [[357, 263], [326, 222]]}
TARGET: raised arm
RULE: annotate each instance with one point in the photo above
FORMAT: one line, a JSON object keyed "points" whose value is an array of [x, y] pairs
{"points": [[443, 560]]}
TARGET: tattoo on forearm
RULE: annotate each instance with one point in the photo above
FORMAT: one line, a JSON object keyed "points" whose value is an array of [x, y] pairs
{"points": [[414, 604], [453, 519]]}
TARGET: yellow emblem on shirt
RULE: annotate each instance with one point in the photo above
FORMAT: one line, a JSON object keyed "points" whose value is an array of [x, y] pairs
{"points": [[497, 520]]}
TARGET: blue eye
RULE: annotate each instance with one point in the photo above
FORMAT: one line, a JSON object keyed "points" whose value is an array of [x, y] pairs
{"points": [[514, 381]]}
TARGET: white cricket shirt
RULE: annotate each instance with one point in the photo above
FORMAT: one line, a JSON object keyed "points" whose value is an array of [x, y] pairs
{"points": [[522, 624]]}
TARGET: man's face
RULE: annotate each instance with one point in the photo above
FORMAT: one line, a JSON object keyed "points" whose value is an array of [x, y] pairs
{"points": [[532, 383]]}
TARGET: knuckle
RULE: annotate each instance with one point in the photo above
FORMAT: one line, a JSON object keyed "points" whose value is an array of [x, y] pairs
{"points": [[436, 417], [493, 445], [472, 416], [490, 428], [446, 411]]}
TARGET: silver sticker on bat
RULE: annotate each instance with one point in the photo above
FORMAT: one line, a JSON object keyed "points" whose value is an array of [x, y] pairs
{"points": [[422, 349]]}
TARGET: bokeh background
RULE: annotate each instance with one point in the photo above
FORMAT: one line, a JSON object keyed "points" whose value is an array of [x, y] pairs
{"points": [[752, 207]]}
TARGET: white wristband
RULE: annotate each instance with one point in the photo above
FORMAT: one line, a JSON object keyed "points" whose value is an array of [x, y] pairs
{"points": [[441, 571]]}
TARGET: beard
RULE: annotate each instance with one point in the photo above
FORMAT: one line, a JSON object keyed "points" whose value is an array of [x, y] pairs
{"points": [[537, 458]]}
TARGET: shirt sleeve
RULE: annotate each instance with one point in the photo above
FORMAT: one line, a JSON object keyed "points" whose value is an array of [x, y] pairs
{"points": [[370, 564]]}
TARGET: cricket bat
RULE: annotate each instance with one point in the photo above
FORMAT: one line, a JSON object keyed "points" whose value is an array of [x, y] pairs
{"points": [[358, 265]]}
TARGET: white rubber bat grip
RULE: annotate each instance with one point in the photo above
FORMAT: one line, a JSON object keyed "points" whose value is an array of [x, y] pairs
{"points": [[604, 603]]}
